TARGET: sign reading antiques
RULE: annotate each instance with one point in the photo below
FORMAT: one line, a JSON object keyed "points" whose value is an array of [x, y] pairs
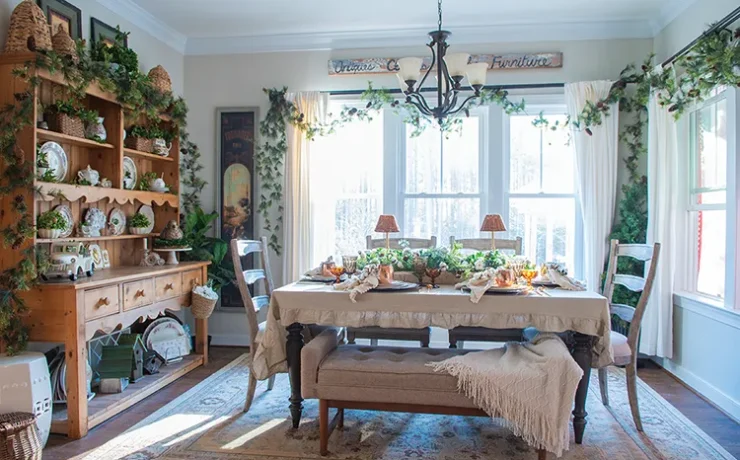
{"points": [[517, 61]]}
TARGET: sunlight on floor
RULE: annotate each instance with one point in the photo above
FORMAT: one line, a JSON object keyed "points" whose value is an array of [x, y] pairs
{"points": [[241, 440], [199, 430]]}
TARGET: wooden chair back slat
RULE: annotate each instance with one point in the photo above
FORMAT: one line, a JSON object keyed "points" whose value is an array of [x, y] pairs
{"points": [[395, 243], [631, 282], [642, 252], [623, 311], [247, 278], [484, 244]]}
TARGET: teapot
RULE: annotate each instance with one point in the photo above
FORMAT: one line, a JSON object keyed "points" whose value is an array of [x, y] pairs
{"points": [[158, 185], [90, 175], [161, 147]]}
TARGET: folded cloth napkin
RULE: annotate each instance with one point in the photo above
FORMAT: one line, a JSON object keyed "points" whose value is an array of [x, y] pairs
{"points": [[359, 284], [479, 283], [322, 269], [559, 276]]}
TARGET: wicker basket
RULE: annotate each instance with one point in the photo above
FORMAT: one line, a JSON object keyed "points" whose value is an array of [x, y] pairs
{"points": [[19, 438], [202, 307], [66, 124], [64, 45], [28, 30], [160, 79], [141, 144]]}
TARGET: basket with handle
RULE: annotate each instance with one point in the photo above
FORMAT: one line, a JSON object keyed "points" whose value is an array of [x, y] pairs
{"points": [[19, 438], [66, 124], [201, 306]]}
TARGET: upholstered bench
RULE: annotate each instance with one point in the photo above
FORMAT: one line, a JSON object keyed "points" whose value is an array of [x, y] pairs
{"points": [[378, 378]]}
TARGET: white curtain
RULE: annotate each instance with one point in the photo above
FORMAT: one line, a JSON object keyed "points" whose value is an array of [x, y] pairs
{"points": [[596, 175], [663, 187], [297, 213]]}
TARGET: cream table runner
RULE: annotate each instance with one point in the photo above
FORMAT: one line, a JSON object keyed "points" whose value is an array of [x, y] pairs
{"points": [[314, 303]]}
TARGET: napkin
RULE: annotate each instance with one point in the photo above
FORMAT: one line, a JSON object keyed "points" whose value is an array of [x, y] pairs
{"points": [[359, 284], [479, 283], [322, 269], [559, 276]]}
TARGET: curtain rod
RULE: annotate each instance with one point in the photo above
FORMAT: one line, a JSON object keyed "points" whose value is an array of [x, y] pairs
{"points": [[724, 22], [356, 92]]}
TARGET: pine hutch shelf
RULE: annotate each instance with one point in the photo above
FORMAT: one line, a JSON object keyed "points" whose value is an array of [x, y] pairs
{"points": [[73, 312]]}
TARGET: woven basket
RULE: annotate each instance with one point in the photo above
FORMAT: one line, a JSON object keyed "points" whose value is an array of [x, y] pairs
{"points": [[141, 144], [19, 438], [66, 124], [202, 307], [28, 30], [63, 44], [160, 79]]}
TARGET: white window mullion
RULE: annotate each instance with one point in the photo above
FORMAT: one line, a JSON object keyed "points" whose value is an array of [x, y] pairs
{"points": [[498, 164], [394, 156], [732, 288]]}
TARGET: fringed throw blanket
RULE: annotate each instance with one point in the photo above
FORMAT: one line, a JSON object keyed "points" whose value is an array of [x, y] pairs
{"points": [[530, 385]]}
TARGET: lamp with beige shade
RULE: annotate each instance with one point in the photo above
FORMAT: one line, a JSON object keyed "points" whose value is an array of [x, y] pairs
{"points": [[387, 224], [493, 223]]}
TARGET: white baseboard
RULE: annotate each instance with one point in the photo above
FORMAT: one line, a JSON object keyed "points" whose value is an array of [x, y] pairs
{"points": [[725, 403]]}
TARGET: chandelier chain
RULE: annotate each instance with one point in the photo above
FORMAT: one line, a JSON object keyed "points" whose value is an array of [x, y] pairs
{"points": [[439, 10]]}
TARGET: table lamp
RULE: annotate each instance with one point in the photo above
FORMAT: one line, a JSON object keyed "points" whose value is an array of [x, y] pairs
{"points": [[493, 223], [387, 224]]}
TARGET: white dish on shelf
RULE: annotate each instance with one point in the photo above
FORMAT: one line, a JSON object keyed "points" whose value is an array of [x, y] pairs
{"points": [[167, 337], [57, 158], [129, 167], [95, 221], [149, 213], [69, 221], [116, 215], [97, 255]]}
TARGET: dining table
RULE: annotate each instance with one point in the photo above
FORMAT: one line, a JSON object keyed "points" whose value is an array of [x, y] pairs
{"points": [[583, 315]]}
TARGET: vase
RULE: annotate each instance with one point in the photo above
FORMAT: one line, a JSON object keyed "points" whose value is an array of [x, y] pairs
{"points": [[49, 233], [433, 273], [385, 274], [97, 130], [350, 264]]}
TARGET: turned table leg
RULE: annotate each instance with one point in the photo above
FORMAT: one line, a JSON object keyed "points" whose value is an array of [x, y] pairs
{"points": [[582, 354], [293, 350]]}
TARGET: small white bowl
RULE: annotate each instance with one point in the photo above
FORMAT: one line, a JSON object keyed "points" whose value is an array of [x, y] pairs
{"points": [[49, 233]]}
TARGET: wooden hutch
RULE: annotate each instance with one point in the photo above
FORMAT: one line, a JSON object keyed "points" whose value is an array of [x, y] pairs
{"points": [[72, 312]]}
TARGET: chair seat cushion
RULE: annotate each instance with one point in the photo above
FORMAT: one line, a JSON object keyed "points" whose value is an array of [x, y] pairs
{"points": [[620, 349]]}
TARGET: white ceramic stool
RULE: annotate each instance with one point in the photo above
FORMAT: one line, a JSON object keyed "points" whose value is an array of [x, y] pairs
{"points": [[25, 387]]}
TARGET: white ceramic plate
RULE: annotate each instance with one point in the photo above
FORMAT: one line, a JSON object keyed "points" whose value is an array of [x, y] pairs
{"points": [[149, 213], [116, 215], [69, 221], [57, 159], [129, 167], [396, 286], [95, 219], [97, 255], [502, 290], [163, 331]]}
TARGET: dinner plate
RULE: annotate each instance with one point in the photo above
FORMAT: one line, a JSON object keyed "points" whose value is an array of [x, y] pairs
{"points": [[57, 159], [547, 283], [502, 290], [149, 213], [97, 255], [162, 329], [129, 167], [322, 279], [396, 286], [117, 221], [69, 221]]}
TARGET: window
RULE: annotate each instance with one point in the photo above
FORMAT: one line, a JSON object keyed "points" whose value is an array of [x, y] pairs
{"points": [[443, 185], [541, 193], [708, 152]]}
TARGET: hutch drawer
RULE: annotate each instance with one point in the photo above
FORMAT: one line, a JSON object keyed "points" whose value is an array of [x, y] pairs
{"points": [[167, 286], [138, 293], [102, 302], [190, 279]]}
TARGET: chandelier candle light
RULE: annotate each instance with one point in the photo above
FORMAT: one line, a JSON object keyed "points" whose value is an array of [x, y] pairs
{"points": [[493, 223], [387, 224], [450, 68]]}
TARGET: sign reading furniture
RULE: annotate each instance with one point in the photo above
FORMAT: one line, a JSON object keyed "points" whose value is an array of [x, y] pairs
{"points": [[495, 62]]}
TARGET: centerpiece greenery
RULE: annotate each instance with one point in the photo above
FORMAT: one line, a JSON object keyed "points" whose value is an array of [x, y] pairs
{"points": [[481, 260]]}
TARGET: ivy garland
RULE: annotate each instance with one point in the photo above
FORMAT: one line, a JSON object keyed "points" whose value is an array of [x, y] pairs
{"points": [[140, 98]]}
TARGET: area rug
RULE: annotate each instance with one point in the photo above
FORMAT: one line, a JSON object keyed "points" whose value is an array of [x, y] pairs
{"points": [[207, 423]]}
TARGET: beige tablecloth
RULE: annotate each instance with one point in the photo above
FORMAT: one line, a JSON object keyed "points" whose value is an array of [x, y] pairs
{"points": [[314, 303]]}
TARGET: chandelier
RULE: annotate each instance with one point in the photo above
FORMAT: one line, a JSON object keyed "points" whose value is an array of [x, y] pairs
{"points": [[450, 70]]}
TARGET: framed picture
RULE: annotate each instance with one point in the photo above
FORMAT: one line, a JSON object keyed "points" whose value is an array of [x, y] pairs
{"points": [[63, 14], [102, 31], [235, 130]]}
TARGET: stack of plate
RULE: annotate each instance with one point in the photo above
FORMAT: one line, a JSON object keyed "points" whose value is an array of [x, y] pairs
{"points": [[58, 373], [168, 338]]}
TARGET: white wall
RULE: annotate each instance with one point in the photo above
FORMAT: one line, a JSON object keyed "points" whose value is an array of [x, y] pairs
{"points": [[706, 338], [150, 50], [238, 80]]}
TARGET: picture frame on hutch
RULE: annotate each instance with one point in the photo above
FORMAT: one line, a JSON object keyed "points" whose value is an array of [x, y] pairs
{"points": [[102, 31], [236, 129], [61, 13]]}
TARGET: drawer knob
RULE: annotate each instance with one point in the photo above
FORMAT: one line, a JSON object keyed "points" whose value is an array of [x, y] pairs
{"points": [[139, 293], [103, 301], [168, 287]]}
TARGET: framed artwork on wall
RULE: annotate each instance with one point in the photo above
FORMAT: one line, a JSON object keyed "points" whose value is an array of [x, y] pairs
{"points": [[235, 133], [62, 14], [102, 31]]}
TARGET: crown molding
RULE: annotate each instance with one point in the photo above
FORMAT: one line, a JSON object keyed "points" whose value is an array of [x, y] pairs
{"points": [[143, 19], [504, 33], [669, 13]]}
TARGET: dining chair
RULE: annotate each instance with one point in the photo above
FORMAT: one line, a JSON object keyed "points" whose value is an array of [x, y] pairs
{"points": [[460, 334], [624, 348], [375, 333], [247, 281]]}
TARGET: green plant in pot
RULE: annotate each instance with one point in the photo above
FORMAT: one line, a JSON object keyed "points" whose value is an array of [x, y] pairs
{"points": [[139, 224], [50, 224], [116, 55], [196, 228]]}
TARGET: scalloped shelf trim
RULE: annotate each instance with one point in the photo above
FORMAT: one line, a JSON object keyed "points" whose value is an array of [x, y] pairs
{"points": [[48, 191]]}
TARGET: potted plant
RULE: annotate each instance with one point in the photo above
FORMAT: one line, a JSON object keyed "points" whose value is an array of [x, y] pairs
{"points": [[117, 56], [138, 224], [50, 224], [69, 117]]}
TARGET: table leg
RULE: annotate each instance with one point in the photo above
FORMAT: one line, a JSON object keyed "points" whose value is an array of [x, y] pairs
{"points": [[582, 354], [293, 350]]}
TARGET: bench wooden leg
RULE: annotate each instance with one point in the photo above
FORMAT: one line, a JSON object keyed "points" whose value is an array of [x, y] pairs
{"points": [[323, 427], [340, 418], [541, 454]]}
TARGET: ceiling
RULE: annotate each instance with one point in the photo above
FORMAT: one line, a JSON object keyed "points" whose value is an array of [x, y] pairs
{"points": [[212, 26]]}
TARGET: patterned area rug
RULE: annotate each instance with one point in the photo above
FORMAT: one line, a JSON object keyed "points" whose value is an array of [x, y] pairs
{"points": [[207, 423]]}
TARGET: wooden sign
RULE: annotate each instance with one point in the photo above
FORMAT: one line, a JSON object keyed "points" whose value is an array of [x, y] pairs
{"points": [[517, 61]]}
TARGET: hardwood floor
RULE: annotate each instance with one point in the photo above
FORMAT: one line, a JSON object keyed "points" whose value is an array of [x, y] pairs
{"points": [[716, 424]]}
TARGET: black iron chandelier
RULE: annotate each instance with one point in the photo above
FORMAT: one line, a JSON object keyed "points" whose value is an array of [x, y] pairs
{"points": [[451, 70]]}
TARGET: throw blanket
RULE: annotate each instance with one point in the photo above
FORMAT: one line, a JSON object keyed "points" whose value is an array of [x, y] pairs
{"points": [[530, 385]]}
